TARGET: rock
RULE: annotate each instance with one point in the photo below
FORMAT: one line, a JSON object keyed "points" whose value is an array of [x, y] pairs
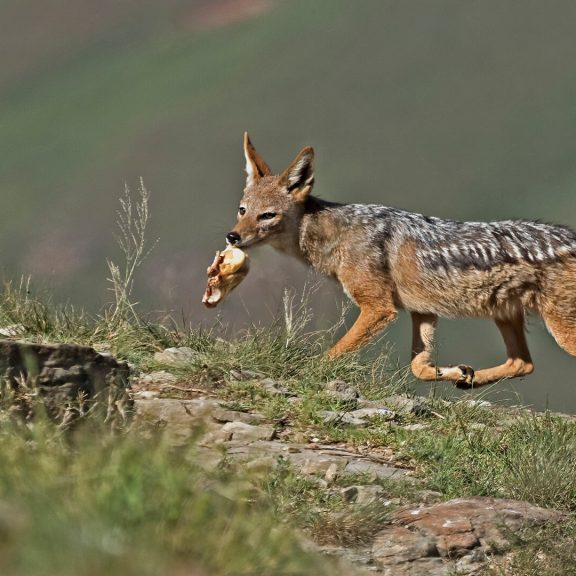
{"points": [[257, 449], [329, 417], [158, 378], [359, 417], [12, 330], [331, 473], [208, 458], [241, 433], [421, 567], [369, 494], [375, 469], [357, 557], [363, 403], [349, 494], [362, 495], [176, 356], [146, 394], [400, 404], [404, 404], [68, 377], [342, 392], [337, 385], [222, 415], [422, 410], [261, 464], [248, 433], [400, 545], [367, 413], [429, 496], [348, 397], [321, 464], [274, 388], [453, 536], [179, 419], [416, 426], [314, 461], [246, 375], [477, 403]]}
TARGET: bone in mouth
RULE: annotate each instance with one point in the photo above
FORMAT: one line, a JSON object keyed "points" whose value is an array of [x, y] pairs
{"points": [[229, 268]]}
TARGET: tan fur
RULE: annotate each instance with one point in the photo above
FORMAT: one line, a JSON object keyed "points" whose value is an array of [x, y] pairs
{"points": [[500, 292], [383, 273], [374, 294], [558, 307]]}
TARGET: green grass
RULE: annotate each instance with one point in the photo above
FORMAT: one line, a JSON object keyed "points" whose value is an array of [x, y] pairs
{"points": [[531, 458], [322, 512], [548, 551], [124, 505]]}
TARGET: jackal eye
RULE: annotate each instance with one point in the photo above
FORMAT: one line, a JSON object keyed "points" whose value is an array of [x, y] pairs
{"points": [[267, 216], [241, 210]]}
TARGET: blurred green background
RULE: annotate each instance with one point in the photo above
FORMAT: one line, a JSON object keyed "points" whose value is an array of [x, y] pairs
{"points": [[460, 109]]}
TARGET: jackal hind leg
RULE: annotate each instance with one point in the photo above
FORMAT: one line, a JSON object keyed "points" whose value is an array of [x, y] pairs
{"points": [[423, 367], [518, 362]]}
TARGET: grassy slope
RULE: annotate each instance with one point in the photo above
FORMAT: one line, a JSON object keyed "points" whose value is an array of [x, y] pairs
{"points": [[127, 504]]}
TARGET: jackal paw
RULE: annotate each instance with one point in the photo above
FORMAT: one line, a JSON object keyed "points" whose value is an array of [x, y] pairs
{"points": [[461, 375], [467, 378]]}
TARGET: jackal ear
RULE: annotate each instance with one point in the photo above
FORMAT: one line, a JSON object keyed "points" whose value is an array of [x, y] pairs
{"points": [[299, 176], [255, 165]]}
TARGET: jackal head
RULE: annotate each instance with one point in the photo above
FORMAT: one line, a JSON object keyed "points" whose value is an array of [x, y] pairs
{"points": [[272, 205]]}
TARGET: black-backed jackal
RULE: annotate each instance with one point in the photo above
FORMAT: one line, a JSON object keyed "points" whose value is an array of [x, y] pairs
{"points": [[388, 259]]}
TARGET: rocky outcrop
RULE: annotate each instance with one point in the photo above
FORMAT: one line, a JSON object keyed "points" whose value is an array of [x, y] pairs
{"points": [[66, 376], [454, 536], [246, 439]]}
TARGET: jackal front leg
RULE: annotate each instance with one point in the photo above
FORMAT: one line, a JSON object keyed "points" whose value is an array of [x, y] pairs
{"points": [[371, 321], [423, 367]]}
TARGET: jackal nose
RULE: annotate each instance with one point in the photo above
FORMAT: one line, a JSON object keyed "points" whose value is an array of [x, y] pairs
{"points": [[233, 237]]}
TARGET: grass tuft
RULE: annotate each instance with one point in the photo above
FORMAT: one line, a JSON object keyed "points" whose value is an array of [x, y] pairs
{"points": [[325, 516], [546, 551], [132, 220], [533, 458]]}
